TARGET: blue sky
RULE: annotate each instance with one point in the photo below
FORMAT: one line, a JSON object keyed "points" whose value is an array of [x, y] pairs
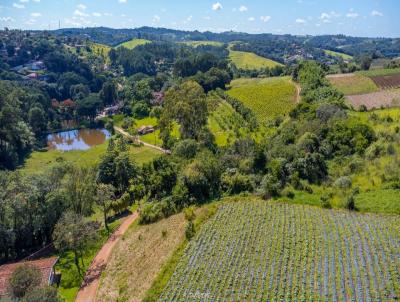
{"points": [[351, 17]]}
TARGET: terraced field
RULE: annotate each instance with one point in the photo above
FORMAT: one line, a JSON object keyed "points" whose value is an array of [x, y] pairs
{"points": [[267, 98], [250, 61], [133, 43], [264, 251]]}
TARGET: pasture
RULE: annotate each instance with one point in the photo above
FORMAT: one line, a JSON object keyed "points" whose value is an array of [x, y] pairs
{"points": [[265, 251], [131, 44], [267, 98], [250, 61], [379, 72], [350, 84], [38, 160]]}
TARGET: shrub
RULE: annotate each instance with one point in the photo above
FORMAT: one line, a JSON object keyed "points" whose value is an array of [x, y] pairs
{"points": [[236, 183], [343, 182], [350, 203], [185, 149], [25, 278], [325, 202], [270, 186], [189, 230], [42, 294]]}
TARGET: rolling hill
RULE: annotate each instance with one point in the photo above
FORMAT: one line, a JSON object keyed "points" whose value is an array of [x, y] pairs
{"points": [[131, 44], [248, 60]]}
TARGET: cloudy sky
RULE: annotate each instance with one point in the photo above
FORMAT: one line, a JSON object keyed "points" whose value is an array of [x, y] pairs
{"points": [[351, 17]]}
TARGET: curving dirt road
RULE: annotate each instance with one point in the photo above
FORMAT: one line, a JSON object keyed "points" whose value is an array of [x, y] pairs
{"points": [[87, 292], [124, 133]]}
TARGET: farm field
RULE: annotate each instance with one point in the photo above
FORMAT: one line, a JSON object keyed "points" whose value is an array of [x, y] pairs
{"points": [[134, 43], [264, 251], [39, 160], [248, 60], [387, 82], [350, 84], [379, 72], [338, 54], [267, 98], [380, 99]]}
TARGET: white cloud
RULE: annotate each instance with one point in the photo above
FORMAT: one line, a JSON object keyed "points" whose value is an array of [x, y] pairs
{"points": [[81, 6], [24, 1], [300, 21], [19, 6], [265, 18], [107, 14], [251, 19], [376, 13], [36, 1], [352, 15], [243, 9], [36, 15], [79, 13], [156, 19], [325, 16], [217, 6], [188, 19], [6, 19], [95, 14], [122, 1]]}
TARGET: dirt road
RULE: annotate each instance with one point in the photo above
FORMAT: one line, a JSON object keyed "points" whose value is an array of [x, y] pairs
{"points": [[124, 133], [87, 292]]}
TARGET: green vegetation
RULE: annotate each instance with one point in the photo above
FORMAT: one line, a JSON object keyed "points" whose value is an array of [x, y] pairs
{"points": [[356, 84], [267, 98], [39, 160], [134, 43], [379, 72], [263, 251], [248, 60], [338, 54], [204, 43]]}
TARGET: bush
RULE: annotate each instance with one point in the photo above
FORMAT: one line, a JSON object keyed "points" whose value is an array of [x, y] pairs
{"points": [[42, 294], [189, 230], [154, 211], [325, 202], [25, 278], [236, 183], [350, 203], [185, 149], [343, 182], [270, 186]]}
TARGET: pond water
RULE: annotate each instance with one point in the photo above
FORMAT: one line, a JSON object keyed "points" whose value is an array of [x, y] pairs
{"points": [[82, 139]]}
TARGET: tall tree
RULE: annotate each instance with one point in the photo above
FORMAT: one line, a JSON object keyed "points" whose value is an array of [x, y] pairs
{"points": [[104, 199]]}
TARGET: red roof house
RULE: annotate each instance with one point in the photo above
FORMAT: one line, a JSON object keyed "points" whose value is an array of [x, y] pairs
{"points": [[46, 267]]}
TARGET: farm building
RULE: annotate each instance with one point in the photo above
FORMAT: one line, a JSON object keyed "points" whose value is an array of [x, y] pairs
{"points": [[46, 267], [145, 130]]}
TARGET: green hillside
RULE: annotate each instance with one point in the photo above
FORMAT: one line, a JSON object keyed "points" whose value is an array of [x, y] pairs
{"points": [[134, 43], [338, 54], [267, 98], [248, 60], [203, 43]]}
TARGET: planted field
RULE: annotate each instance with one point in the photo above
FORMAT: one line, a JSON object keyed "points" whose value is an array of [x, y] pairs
{"points": [[381, 99], [267, 98], [350, 84], [133, 43], [387, 82], [379, 72], [249, 60], [262, 251], [338, 54]]}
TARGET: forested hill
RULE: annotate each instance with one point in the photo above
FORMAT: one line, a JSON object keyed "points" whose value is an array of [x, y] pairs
{"points": [[388, 47]]}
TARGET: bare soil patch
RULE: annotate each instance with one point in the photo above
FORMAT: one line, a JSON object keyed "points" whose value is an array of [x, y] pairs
{"points": [[138, 258], [381, 99], [387, 82]]}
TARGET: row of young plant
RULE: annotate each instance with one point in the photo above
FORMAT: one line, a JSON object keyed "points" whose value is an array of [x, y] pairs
{"points": [[262, 251]]}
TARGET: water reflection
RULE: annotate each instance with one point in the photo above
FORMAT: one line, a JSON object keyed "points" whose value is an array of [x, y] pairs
{"points": [[77, 139]]}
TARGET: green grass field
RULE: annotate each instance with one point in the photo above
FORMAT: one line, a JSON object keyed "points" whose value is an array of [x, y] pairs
{"points": [[249, 60], [133, 43], [379, 72], [338, 54], [351, 85], [254, 250], [41, 159], [203, 43], [267, 98]]}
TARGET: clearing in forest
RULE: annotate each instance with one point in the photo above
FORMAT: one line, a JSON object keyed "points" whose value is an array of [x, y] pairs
{"points": [[131, 44], [267, 98], [268, 251], [250, 61]]}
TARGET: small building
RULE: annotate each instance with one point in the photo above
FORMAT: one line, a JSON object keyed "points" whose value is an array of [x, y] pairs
{"points": [[143, 130], [45, 266]]}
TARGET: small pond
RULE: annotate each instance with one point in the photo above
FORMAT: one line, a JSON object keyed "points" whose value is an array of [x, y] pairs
{"points": [[82, 139]]}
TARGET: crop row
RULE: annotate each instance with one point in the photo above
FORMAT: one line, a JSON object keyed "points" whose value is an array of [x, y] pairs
{"points": [[261, 251]]}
